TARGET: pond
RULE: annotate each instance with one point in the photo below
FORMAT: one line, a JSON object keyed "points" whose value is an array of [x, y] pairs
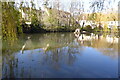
{"points": [[61, 55]]}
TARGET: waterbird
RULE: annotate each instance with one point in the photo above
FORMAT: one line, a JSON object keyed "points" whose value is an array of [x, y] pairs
{"points": [[45, 48], [23, 47]]}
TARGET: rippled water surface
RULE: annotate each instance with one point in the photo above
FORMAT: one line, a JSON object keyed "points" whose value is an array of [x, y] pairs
{"points": [[61, 55]]}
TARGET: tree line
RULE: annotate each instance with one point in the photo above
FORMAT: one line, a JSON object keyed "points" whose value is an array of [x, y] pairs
{"points": [[57, 20]]}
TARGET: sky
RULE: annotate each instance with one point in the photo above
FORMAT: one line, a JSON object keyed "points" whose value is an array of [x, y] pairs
{"points": [[65, 4]]}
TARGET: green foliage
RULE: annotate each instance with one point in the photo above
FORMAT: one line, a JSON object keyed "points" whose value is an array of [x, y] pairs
{"points": [[34, 20], [57, 20], [88, 28], [106, 27], [52, 21], [96, 29], [114, 29], [52, 18], [10, 20]]}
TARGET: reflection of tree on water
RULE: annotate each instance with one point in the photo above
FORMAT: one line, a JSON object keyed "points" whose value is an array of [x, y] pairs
{"points": [[65, 54], [56, 57], [71, 56], [8, 48], [22, 72], [61, 51], [105, 44], [9, 64]]}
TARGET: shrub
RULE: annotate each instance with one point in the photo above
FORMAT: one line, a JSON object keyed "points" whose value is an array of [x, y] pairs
{"points": [[88, 28]]}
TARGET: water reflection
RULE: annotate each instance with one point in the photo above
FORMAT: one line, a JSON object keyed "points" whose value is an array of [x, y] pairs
{"points": [[62, 55], [107, 44]]}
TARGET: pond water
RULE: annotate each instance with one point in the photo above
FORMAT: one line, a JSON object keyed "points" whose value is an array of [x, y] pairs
{"points": [[60, 55]]}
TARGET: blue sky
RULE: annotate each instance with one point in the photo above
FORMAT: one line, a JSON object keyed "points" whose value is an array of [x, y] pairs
{"points": [[65, 4]]}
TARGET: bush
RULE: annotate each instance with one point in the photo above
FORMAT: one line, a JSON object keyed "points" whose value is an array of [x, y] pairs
{"points": [[96, 29], [88, 28]]}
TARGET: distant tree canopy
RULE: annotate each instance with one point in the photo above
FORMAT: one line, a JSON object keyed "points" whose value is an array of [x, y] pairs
{"points": [[103, 17], [14, 20], [100, 11]]}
